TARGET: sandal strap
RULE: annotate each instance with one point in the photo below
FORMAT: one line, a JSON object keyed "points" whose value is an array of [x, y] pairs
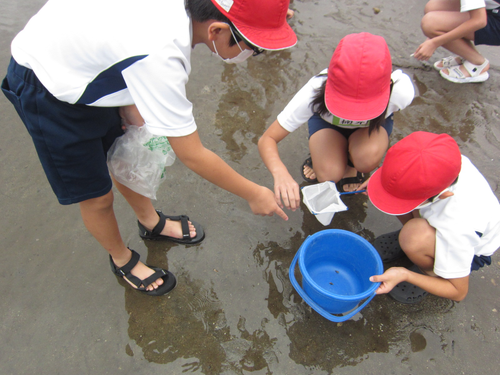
{"points": [[184, 219], [122, 271], [125, 271], [185, 227], [455, 72], [450, 61], [155, 276], [160, 225], [127, 268], [163, 218], [475, 70]]}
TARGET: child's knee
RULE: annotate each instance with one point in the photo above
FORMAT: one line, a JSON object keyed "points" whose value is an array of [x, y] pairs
{"points": [[368, 159], [428, 25], [417, 236], [100, 203]]}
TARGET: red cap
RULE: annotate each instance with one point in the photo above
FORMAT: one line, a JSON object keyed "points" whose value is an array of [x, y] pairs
{"points": [[262, 22], [359, 78], [415, 169]]}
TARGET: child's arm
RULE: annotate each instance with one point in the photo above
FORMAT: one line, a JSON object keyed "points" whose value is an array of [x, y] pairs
{"points": [[477, 21], [211, 167], [285, 187], [454, 289]]}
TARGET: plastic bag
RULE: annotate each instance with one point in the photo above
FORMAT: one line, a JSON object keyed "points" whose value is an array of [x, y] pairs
{"points": [[138, 159], [323, 200]]}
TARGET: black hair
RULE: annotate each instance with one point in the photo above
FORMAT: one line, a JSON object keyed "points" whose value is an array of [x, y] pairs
{"points": [[318, 104], [435, 196], [204, 10]]}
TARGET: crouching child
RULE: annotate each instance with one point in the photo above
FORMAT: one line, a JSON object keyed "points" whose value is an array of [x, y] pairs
{"points": [[450, 217]]}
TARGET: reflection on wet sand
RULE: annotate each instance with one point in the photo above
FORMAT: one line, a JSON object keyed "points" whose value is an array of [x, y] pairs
{"points": [[250, 93]]}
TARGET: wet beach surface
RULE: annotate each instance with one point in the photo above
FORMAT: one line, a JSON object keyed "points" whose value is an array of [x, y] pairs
{"points": [[234, 310]]}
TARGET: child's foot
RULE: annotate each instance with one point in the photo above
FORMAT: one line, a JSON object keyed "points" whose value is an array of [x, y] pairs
{"points": [[141, 271], [171, 228], [448, 62], [174, 229], [152, 281], [467, 72], [309, 172]]}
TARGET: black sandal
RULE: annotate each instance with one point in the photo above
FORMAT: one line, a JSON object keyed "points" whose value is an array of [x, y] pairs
{"points": [[169, 281], [186, 239], [349, 180], [388, 247], [405, 292], [308, 162]]}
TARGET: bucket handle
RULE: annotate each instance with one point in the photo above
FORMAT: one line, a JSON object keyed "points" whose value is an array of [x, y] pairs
{"points": [[314, 305]]}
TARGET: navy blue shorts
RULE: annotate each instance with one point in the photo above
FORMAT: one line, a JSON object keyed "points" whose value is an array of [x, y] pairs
{"points": [[480, 261], [71, 140], [489, 35], [316, 123]]}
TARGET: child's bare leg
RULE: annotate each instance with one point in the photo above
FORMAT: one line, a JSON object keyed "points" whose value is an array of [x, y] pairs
{"points": [[367, 150], [147, 215], [436, 23], [99, 218], [442, 5], [418, 241], [329, 155]]}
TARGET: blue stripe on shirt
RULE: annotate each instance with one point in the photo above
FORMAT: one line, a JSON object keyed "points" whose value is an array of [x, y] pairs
{"points": [[107, 82]]}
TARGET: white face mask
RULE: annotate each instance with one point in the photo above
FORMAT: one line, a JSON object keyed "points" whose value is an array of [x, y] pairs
{"points": [[428, 203], [242, 56]]}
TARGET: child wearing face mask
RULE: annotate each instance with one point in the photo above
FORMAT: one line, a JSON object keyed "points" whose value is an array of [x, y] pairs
{"points": [[74, 83], [244, 53], [450, 217]]}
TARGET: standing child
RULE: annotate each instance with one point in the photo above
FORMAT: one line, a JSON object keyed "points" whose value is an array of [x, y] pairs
{"points": [[349, 109], [458, 25], [450, 217], [79, 69]]}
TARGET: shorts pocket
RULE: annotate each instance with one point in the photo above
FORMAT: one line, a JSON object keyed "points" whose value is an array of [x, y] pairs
{"points": [[13, 98]]}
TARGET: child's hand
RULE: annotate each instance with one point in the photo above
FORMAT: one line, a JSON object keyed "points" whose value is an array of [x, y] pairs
{"points": [[363, 186], [289, 14], [130, 116], [425, 50], [389, 279], [287, 190], [263, 203]]}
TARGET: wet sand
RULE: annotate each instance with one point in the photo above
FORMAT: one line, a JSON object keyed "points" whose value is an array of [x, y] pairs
{"points": [[234, 310]]}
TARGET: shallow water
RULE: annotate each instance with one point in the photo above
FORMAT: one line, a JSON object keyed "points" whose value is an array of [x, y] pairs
{"points": [[234, 310]]}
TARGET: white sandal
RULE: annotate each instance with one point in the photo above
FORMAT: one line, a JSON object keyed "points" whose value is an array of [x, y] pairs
{"points": [[456, 75], [448, 62]]}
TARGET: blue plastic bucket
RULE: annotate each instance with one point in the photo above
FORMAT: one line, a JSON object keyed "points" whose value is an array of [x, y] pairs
{"points": [[336, 266]]}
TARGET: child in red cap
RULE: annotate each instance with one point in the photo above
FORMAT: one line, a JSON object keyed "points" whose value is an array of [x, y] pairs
{"points": [[450, 217], [80, 69], [349, 109]]}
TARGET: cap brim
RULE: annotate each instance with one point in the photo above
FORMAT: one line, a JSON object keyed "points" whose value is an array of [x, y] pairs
{"points": [[269, 39], [355, 110], [386, 202]]}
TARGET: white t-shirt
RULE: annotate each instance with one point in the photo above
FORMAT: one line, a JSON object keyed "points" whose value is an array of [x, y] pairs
{"points": [[299, 109], [466, 5], [111, 53], [458, 219]]}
